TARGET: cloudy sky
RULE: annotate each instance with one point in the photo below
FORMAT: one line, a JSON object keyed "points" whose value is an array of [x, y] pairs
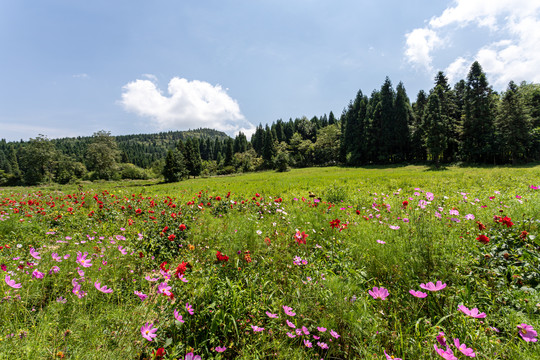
{"points": [[74, 67]]}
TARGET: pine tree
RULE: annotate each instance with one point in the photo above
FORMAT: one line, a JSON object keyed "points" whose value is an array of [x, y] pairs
{"points": [[418, 145], [175, 168], [478, 128], [269, 149], [449, 108], [388, 137], [435, 125], [402, 120], [513, 125], [229, 152]]}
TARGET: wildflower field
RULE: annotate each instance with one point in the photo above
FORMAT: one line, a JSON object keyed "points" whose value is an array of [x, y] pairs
{"points": [[319, 263]]}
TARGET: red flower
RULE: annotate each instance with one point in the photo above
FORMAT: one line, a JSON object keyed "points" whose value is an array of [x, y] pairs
{"points": [[480, 226], [162, 266], [180, 269], [141, 255], [165, 229], [357, 212], [483, 239], [221, 257], [138, 211], [405, 203], [335, 223], [301, 237], [506, 221], [172, 237], [218, 198], [159, 353], [182, 227]]}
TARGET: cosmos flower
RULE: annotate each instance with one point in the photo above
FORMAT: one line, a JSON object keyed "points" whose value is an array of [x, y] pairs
{"points": [[527, 332], [148, 331], [433, 287], [418, 294], [472, 313], [379, 293]]}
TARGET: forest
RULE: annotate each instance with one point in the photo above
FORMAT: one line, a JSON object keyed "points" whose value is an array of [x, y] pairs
{"points": [[468, 123]]}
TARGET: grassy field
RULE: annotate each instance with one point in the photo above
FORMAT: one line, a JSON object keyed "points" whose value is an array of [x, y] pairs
{"points": [[332, 263]]}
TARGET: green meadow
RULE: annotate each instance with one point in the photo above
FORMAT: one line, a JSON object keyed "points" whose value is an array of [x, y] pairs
{"points": [[316, 263]]}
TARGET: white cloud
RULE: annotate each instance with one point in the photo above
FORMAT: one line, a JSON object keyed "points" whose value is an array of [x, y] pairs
{"points": [[516, 57], [81, 76], [188, 104], [420, 43]]}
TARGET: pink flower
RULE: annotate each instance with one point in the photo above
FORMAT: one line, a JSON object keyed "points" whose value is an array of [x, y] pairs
{"points": [[148, 331], [448, 354], [291, 335], [334, 334], [177, 316], [35, 254], [381, 242], [308, 343], [527, 332], [433, 287], [103, 289], [81, 259], [141, 295], [270, 315], [290, 324], [122, 250], [11, 282], [256, 328], [472, 313], [441, 339], [220, 349], [190, 356], [78, 291], [322, 345], [149, 278], [321, 329], [389, 357], [164, 288], [189, 309], [418, 294], [464, 349], [377, 293], [305, 330], [37, 274], [288, 310]]}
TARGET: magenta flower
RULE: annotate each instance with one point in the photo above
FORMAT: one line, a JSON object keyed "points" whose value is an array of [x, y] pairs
{"points": [[103, 288], [334, 334], [448, 354], [389, 357], [472, 313], [322, 345], [441, 339], [141, 295], [35, 254], [164, 288], [305, 330], [464, 349], [256, 328], [288, 310], [177, 316], [190, 356], [220, 349], [122, 250], [81, 259], [418, 294], [149, 278], [37, 274], [433, 287], [377, 293], [54, 270], [11, 282], [148, 331], [290, 324], [189, 309], [4, 267], [291, 335], [78, 291], [270, 315], [321, 329], [308, 343], [527, 332]]}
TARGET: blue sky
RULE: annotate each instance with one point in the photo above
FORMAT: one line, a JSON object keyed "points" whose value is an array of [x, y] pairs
{"points": [[71, 68]]}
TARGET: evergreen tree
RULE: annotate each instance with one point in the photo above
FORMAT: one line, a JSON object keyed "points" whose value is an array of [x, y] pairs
{"points": [[513, 125], [257, 140], [192, 157], [175, 168], [331, 119], [388, 136], [218, 149], [450, 110], [280, 134], [229, 152], [269, 149], [288, 130], [435, 125], [418, 145], [402, 120], [478, 128]]}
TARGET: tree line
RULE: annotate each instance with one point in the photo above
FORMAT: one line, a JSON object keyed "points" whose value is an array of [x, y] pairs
{"points": [[468, 123]]}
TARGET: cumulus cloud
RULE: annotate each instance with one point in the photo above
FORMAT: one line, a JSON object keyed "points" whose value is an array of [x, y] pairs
{"points": [[187, 104], [515, 57]]}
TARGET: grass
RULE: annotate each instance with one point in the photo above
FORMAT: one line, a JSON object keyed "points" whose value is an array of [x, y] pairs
{"points": [[379, 242]]}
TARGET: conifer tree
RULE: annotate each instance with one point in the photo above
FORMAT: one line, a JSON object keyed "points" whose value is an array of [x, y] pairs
{"points": [[402, 121], [435, 125], [418, 145]]}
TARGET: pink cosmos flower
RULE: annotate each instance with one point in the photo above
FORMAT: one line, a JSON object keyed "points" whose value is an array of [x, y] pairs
{"points": [[256, 328], [141, 295], [448, 354], [433, 287], [149, 278], [78, 291], [181, 277], [103, 288], [527, 332], [305, 330], [389, 357], [381, 242], [37, 274], [464, 349], [472, 313], [189, 309], [321, 329], [122, 250], [164, 288], [418, 294], [81, 259], [334, 334], [291, 335], [298, 332], [220, 349], [377, 293], [441, 339], [190, 356], [148, 331], [35, 254], [54, 270], [322, 345], [288, 310], [290, 324], [308, 343], [270, 315], [177, 316], [11, 282]]}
